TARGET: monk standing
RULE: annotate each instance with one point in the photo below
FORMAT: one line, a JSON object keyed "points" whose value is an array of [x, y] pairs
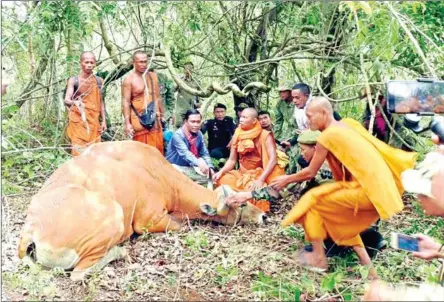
{"points": [[84, 99], [256, 150], [367, 185], [140, 88]]}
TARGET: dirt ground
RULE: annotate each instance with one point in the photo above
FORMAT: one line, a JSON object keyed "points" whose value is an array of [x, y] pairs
{"points": [[204, 261]]}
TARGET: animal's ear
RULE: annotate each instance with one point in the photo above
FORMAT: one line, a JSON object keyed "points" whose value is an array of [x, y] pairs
{"points": [[208, 209]]}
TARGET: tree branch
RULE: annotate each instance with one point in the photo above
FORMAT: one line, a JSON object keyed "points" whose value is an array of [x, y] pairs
{"points": [[412, 39], [213, 87], [108, 45]]}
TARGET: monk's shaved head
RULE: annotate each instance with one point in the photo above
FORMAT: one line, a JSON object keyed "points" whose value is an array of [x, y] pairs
{"points": [[321, 102], [86, 54], [319, 113], [87, 62], [248, 118], [251, 112], [139, 53]]}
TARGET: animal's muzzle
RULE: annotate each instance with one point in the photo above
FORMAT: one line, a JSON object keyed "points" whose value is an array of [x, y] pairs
{"points": [[264, 218]]}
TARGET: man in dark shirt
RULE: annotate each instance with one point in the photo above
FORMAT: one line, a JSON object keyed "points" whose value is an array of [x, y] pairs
{"points": [[220, 130]]}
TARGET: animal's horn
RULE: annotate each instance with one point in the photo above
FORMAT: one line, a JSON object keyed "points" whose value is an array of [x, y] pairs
{"points": [[222, 208], [210, 180], [225, 191]]}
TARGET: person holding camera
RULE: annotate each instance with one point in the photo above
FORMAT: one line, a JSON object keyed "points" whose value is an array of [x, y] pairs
{"points": [[428, 182]]}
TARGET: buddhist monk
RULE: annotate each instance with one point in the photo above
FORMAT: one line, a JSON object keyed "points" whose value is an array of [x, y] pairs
{"points": [[255, 148], [367, 185], [139, 89], [84, 100]]}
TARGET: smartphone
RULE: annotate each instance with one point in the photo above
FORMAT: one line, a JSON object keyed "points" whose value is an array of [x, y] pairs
{"points": [[404, 242], [421, 96]]}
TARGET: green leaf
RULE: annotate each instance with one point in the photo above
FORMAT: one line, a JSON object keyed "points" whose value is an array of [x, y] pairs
{"points": [[363, 270], [11, 109], [328, 283], [297, 294], [347, 296]]}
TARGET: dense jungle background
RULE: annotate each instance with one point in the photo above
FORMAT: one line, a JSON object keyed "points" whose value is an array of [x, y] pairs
{"points": [[337, 48]]}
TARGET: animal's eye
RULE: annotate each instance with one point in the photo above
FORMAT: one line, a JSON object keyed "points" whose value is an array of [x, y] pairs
{"points": [[243, 205]]}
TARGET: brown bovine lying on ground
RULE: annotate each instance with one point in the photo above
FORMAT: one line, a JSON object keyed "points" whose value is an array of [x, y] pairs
{"points": [[93, 202]]}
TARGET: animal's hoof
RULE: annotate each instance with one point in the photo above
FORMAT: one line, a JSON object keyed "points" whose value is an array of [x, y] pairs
{"points": [[126, 256], [78, 276]]}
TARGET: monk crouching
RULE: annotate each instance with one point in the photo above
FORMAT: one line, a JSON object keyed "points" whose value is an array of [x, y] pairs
{"points": [[141, 104], [256, 150], [84, 99], [361, 193]]}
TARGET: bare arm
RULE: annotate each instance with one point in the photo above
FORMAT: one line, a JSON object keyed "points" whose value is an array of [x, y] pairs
{"points": [[126, 100], [231, 162], [315, 164], [271, 150], [69, 92], [126, 106], [102, 104]]}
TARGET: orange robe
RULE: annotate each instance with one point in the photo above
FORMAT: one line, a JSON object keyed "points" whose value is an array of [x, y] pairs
{"points": [[80, 133], [153, 137], [251, 164], [368, 186]]}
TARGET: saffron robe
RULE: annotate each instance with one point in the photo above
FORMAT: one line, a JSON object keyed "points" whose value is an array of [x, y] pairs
{"points": [[154, 136], [368, 186], [81, 133], [251, 166]]}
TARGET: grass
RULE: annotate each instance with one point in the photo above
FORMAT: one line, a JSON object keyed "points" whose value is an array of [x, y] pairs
{"points": [[213, 262], [33, 281]]}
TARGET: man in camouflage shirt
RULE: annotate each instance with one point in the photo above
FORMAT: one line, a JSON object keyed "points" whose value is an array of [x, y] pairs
{"points": [[284, 125], [184, 100], [166, 88]]}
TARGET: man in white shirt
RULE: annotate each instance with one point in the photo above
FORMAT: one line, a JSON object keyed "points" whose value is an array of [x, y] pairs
{"points": [[301, 98]]}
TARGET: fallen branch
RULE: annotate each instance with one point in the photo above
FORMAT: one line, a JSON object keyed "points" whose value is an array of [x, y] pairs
{"points": [[213, 87], [436, 47], [368, 91], [324, 94], [412, 39]]}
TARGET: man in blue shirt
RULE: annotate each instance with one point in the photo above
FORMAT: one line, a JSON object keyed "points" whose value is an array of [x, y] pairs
{"points": [[187, 152]]}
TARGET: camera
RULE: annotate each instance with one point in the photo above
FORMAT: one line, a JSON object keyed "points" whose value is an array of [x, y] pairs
{"points": [[415, 99]]}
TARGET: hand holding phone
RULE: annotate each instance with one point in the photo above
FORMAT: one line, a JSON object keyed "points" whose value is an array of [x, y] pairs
{"points": [[428, 248], [405, 242]]}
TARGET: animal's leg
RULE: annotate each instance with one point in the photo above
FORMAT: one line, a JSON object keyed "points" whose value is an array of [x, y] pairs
{"points": [[162, 222], [166, 223], [115, 253]]}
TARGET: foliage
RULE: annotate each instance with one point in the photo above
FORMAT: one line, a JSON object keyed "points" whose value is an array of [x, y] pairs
{"points": [[240, 42], [36, 282], [268, 287]]}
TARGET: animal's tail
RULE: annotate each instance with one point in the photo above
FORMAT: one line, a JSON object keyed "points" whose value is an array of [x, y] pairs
{"points": [[25, 241]]}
